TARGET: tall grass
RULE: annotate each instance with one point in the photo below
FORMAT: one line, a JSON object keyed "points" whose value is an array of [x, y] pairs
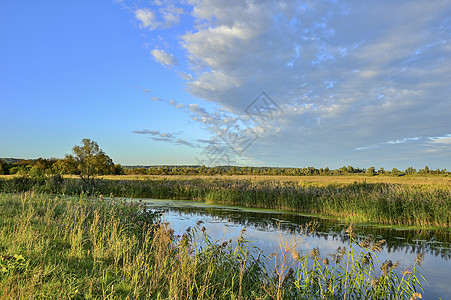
{"points": [[88, 248], [414, 205]]}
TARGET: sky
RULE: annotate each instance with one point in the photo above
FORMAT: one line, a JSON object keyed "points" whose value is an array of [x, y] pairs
{"points": [[254, 83]]}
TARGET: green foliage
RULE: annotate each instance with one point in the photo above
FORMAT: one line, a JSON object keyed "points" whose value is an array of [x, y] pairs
{"points": [[92, 248], [371, 171], [395, 204], [88, 161]]}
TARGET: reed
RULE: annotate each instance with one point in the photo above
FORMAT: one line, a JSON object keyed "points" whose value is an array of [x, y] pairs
{"points": [[382, 203], [63, 247]]}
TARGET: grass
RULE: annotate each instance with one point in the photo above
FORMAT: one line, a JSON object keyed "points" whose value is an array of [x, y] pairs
{"points": [[62, 247], [319, 181], [425, 206]]}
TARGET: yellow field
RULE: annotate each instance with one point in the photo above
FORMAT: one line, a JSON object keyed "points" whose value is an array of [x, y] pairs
{"points": [[308, 180]]}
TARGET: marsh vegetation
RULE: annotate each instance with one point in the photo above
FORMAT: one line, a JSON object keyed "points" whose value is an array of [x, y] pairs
{"points": [[92, 248], [382, 203]]}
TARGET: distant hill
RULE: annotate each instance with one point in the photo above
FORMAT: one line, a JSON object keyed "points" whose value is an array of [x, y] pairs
{"points": [[10, 160]]}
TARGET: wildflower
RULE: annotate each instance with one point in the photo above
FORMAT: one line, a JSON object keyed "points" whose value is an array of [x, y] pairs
{"points": [[326, 261], [416, 296]]}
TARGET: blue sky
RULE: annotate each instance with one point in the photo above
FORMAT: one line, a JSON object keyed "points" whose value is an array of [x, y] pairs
{"points": [[178, 82]]}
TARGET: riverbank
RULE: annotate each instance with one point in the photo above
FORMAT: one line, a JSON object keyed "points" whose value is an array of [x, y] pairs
{"points": [[85, 247], [424, 206]]}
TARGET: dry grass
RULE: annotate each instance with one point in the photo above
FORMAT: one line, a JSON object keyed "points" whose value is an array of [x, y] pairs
{"points": [[342, 180], [307, 180]]}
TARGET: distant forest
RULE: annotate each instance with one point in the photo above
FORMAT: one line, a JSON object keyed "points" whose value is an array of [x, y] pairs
{"points": [[49, 166]]}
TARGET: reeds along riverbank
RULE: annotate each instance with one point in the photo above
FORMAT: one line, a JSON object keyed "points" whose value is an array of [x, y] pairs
{"points": [[394, 204], [89, 248]]}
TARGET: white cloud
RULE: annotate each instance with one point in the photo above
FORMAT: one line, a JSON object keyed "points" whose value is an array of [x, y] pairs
{"points": [[145, 131], [348, 74], [164, 58], [147, 18], [165, 137], [165, 15]]}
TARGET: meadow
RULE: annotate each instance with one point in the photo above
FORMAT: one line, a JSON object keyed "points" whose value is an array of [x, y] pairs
{"points": [[425, 205], [84, 247]]}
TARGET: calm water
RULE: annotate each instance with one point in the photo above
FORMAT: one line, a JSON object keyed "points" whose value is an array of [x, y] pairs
{"points": [[264, 229]]}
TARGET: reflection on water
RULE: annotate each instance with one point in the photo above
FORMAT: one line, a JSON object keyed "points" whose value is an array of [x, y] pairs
{"points": [[265, 227]]}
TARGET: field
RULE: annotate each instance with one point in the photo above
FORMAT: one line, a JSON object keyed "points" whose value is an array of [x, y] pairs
{"points": [[307, 180], [80, 247]]}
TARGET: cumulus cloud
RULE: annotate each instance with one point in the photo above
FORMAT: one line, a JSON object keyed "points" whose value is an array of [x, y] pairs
{"points": [[349, 75], [164, 15], [164, 58], [147, 18]]}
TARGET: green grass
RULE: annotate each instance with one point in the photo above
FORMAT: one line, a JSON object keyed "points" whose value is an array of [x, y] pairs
{"points": [[61, 247], [426, 206]]}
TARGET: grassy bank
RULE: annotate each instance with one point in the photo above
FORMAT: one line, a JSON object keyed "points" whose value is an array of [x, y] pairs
{"points": [[382, 203], [62, 247]]}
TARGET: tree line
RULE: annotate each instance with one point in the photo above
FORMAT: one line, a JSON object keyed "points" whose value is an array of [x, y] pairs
{"points": [[88, 161], [306, 171]]}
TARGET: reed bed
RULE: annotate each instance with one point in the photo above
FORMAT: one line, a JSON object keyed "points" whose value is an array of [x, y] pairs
{"points": [[394, 204], [66, 247]]}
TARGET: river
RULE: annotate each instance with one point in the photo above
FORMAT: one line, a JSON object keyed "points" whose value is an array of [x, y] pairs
{"points": [[264, 228]]}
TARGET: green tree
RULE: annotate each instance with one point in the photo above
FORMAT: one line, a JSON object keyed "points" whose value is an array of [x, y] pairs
{"points": [[371, 171], [396, 172], [88, 161], [410, 171]]}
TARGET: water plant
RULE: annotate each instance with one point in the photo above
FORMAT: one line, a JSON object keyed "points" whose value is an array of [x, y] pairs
{"points": [[90, 247], [394, 204]]}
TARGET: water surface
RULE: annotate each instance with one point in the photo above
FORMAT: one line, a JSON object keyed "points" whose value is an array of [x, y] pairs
{"points": [[265, 228]]}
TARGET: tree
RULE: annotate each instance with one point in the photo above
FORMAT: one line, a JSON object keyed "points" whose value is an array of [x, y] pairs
{"points": [[88, 161], [396, 172], [410, 171], [371, 171]]}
